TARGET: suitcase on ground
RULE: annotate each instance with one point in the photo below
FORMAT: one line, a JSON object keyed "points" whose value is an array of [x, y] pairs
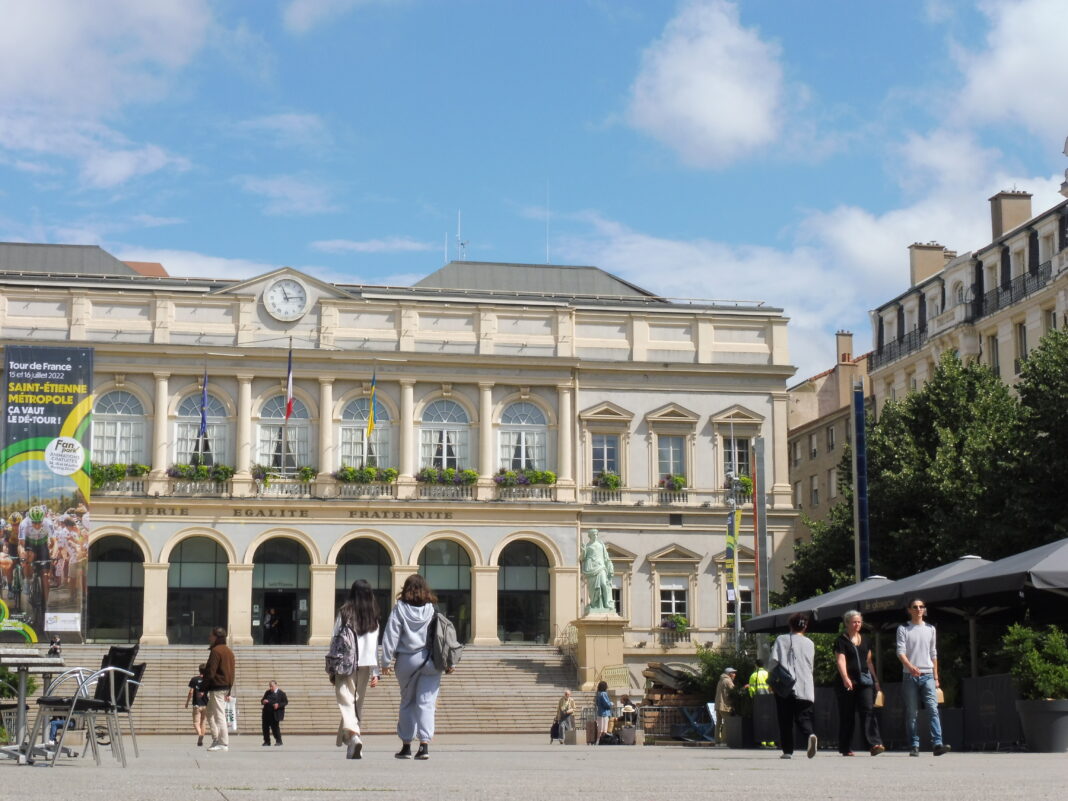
{"points": [[628, 734], [591, 732], [571, 736], [554, 731]]}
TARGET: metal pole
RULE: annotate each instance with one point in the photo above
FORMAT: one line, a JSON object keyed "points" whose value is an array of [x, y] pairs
{"points": [[861, 552], [763, 552]]}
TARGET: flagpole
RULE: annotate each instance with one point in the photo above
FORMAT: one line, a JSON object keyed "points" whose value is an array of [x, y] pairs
{"points": [[289, 403]]}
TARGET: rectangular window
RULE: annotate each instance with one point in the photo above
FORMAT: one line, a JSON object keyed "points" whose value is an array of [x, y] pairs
{"points": [[357, 452], [745, 601], [736, 456], [118, 441], [287, 456], [1020, 331], [795, 450], [813, 450], [522, 450], [814, 491], [1049, 318], [605, 450], [673, 595], [797, 494], [444, 448], [832, 483], [993, 357], [670, 455], [191, 448], [617, 594], [831, 438]]}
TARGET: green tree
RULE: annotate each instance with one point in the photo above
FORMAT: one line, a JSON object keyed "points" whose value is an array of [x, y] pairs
{"points": [[940, 463], [1038, 506]]}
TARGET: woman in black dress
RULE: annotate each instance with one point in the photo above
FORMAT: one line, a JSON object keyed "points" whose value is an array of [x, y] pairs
{"points": [[857, 686]]}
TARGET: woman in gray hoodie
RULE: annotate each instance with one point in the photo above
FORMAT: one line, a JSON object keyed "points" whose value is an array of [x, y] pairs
{"points": [[405, 638]]}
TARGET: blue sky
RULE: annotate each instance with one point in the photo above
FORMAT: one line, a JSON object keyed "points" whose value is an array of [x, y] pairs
{"points": [[773, 150]]}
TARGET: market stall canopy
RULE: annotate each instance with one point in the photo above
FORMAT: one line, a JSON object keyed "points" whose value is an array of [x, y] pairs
{"points": [[1041, 568], [776, 619]]}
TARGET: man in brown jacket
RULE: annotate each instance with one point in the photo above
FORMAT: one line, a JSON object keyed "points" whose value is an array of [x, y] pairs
{"points": [[219, 675]]}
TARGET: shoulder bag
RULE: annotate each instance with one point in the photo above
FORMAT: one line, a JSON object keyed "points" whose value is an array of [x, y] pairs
{"points": [[780, 679]]}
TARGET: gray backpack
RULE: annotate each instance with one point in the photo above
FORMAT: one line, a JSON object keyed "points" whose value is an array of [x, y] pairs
{"points": [[343, 654], [445, 648]]}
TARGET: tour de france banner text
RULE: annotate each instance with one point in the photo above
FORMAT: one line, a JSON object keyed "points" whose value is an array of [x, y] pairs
{"points": [[44, 492]]}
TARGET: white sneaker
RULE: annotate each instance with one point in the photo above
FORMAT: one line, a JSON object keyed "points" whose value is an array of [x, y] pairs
{"points": [[218, 747]]}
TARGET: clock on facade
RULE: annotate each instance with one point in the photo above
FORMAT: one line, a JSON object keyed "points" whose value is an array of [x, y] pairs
{"points": [[286, 299]]}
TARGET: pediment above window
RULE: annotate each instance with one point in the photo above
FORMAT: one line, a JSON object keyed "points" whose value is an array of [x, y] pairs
{"points": [[674, 555], [606, 412], [672, 414]]}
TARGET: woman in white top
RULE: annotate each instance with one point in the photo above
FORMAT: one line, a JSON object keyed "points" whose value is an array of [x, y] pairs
{"points": [[359, 612]]}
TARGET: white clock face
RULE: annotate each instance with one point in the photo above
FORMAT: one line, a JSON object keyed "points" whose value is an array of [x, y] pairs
{"points": [[286, 299]]}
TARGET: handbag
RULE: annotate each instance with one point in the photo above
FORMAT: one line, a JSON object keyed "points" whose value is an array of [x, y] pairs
{"points": [[864, 679], [781, 680], [880, 700]]}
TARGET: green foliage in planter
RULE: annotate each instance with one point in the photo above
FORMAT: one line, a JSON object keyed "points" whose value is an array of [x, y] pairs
{"points": [[137, 470], [306, 474], [513, 478], [222, 472], [366, 475], [608, 480], [677, 623], [746, 484], [263, 473], [673, 482], [101, 474], [450, 475], [1038, 661]]}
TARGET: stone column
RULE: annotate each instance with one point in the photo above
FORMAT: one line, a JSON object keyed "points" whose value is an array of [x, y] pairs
{"points": [[406, 480], [324, 480], [154, 618], [242, 480], [400, 573], [239, 604], [486, 490], [484, 605], [565, 457], [564, 597], [321, 624], [159, 428]]}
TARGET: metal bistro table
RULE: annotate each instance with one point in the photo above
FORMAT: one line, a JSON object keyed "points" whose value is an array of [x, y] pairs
{"points": [[24, 661]]}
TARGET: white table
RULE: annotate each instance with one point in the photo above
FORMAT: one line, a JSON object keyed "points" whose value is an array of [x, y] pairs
{"points": [[24, 661]]}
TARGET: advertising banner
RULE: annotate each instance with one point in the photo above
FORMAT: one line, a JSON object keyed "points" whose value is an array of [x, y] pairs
{"points": [[44, 492]]}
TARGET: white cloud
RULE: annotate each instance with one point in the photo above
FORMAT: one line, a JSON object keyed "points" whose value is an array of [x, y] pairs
{"points": [[190, 264], [288, 130], [67, 65], [288, 195], [152, 221], [390, 244], [300, 16], [1021, 75], [709, 88], [88, 58]]}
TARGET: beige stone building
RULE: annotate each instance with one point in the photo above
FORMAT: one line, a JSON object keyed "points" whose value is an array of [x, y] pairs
{"points": [[478, 367], [992, 304], [820, 422]]}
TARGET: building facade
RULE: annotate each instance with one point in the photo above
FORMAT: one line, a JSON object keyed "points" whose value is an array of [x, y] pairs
{"points": [[992, 304], [820, 421], [483, 380]]}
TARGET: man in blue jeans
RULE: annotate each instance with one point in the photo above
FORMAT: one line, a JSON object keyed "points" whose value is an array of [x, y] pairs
{"points": [[918, 652]]}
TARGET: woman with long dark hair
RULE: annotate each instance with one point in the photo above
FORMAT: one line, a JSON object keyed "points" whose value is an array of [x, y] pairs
{"points": [[360, 613], [406, 638]]}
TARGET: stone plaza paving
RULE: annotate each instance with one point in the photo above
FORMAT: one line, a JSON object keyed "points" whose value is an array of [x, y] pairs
{"points": [[526, 767]]}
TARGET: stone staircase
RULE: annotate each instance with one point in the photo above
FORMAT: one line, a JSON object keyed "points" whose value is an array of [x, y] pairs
{"points": [[504, 688]]}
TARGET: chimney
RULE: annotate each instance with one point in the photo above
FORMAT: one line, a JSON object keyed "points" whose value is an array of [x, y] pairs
{"points": [[925, 261], [950, 255], [1009, 210], [844, 342]]}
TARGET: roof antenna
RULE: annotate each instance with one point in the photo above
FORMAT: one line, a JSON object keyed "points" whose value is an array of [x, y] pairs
{"points": [[461, 245], [547, 259]]}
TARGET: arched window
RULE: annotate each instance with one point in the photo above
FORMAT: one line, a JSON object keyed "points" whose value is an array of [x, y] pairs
{"points": [[523, 593], [211, 448], [365, 559], [119, 429], [294, 452], [524, 432], [281, 581], [197, 582], [356, 449], [444, 440], [958, 292]]}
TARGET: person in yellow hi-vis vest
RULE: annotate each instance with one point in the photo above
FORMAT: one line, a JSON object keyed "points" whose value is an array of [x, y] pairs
{"points": [[758, 685]]}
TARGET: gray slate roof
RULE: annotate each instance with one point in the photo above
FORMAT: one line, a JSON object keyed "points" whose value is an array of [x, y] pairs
{"points": [[70, 259], [534, 279]]}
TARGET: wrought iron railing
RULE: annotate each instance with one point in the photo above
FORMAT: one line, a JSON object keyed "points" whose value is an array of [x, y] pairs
{"points": [[892, 351], [1018, 288]]}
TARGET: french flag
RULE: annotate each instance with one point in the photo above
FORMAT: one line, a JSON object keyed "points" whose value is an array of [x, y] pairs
{"points": [[289, 386]]}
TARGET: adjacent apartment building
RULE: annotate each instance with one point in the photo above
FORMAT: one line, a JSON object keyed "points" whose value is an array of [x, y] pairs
{"points": [[992, 304], [485, 379], [820, 428]]}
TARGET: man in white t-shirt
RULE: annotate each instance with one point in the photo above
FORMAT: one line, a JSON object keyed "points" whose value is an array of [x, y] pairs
{"points": [[918, 651]]}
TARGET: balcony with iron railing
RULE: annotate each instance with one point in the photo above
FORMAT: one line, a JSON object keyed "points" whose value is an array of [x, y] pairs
{"points": [[1016, 290], [528, 492], [658, 496], [894, 350]]}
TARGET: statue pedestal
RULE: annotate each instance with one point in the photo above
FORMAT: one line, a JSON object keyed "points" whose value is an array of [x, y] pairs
{"points": [[600, 643]]}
